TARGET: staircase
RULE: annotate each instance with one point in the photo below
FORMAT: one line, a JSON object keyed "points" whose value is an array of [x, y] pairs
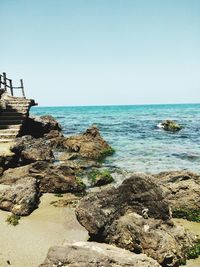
{"points": [[13, 113]]}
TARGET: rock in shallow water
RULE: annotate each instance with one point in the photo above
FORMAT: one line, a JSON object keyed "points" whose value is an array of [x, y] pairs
{"points": [[91, 254], [87, 145], [170, 126]]}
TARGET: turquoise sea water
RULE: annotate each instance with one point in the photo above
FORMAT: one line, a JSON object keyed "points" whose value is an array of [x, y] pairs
{"points": [[132, 130]]}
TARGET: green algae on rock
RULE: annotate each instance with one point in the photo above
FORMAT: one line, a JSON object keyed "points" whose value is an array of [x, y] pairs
{"points": [[170, 125], [190, 215], [99, 178]]}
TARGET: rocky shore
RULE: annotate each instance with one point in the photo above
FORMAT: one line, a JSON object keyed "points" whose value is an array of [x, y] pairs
{"points": [[129, 224]]}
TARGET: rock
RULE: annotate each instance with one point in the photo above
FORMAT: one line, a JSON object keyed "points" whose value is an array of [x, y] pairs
{"points": [[51, 178], [21, 198], [28, 150], [181, 189], [170, 126], [39, 126], [53, 134], [162, 241], [87, 145], [135, 216], [100, 178], [97, 210], [56, 179], [13, 175], [7, 161], [91, 254]]}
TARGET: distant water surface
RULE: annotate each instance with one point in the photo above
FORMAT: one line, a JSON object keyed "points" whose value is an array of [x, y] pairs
{"points": [[132, 130]]}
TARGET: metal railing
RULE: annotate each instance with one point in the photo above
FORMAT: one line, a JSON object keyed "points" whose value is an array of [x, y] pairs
{"points": [[7, 84]]}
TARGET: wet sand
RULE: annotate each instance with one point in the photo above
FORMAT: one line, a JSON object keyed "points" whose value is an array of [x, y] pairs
{"points": [[195, 228], [26, 244]]}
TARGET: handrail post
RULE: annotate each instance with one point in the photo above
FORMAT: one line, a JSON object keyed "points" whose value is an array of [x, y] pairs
{"points": [[22, 86], [5, 82], [11, 87], [0, 80]]}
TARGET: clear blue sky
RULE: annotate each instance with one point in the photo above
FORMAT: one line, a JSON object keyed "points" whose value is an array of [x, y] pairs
{"points": [[95, 52]]}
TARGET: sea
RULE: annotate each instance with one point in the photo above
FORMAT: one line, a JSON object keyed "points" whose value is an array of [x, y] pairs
{"points": [[140, 145]]}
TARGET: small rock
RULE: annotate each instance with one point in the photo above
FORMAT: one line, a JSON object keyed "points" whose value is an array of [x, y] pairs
{"points": [[170, 126]]}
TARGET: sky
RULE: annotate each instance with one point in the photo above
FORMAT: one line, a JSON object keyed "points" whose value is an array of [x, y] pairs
{"points": [[102, 52]]}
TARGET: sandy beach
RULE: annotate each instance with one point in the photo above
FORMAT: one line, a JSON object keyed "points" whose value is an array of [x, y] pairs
{"points": [[26, 244], [5, 149]]}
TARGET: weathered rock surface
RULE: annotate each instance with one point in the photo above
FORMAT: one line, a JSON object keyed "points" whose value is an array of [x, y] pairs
{"points": [[87, 145], [56, 179], [96, 211], [135, 216], [181, 189], [7, 161], [51, 178], [39, 126], [53, 135], [162, 241], [21, 198], [28, 149], [30, 181], [170, 126], [91, 254]]}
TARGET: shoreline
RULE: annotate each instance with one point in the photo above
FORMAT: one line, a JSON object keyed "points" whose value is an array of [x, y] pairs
{"points": [[36, 174]]}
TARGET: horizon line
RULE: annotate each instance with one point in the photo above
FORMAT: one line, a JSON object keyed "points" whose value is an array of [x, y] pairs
{"points": [[113, 105]]}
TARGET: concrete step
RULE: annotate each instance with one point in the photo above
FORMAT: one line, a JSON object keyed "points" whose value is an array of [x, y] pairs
{"points": [[13, 98], [16, 116], [6, 127], [10, 122], [12, 114], [9, 131], [17, 106], [17, 99], [7, 136], [6, 140], [10, 109], [18, 102]]}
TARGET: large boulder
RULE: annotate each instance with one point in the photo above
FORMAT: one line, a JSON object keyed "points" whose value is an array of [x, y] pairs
{"points": [[39, 126], [98, 210], [51, 178], [91, 254], [135, 216], [90, 144], [21, 198], [163, 241], [28, 149], [182, 190]]}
